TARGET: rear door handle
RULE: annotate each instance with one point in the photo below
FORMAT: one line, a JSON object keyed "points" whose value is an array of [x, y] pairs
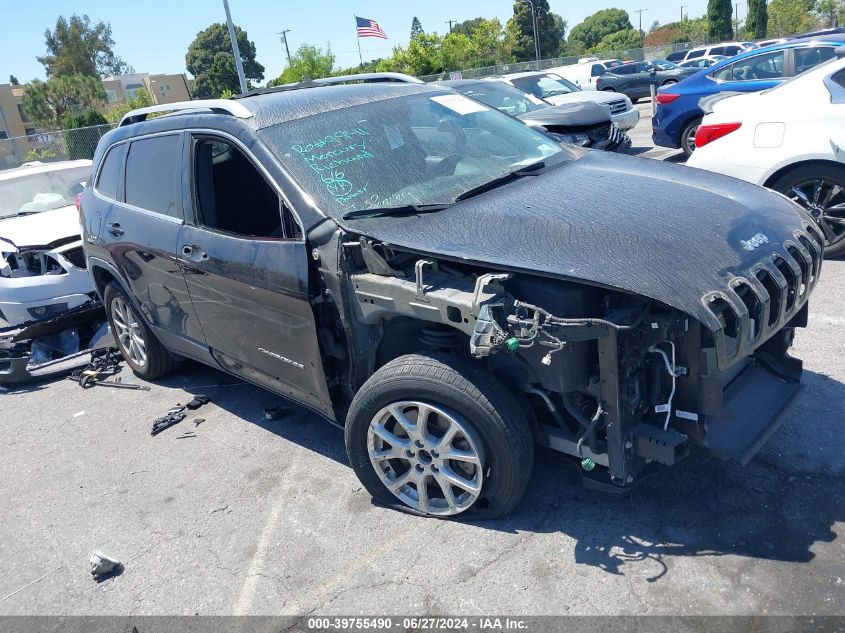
{"points": [[194, 252], [115, 229]]}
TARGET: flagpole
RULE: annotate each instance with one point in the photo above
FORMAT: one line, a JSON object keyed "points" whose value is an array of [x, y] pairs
{"points": [[358, 37]]}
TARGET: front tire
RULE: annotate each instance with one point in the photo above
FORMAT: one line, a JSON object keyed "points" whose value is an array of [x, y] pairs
{"points": [[820, 189], [139, 347], [432, 434]]}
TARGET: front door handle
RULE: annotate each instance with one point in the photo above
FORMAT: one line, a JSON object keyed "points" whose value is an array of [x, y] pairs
{"points": [[194, 252], [115, 229]]}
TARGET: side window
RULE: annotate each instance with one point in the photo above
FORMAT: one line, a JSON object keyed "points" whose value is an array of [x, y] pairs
{"points": [[627, 69], [730, 51], [807, 58], [759, 67], [696, 54], [642, 67], [154, 174], [232, 196], [597, 70], [719, 50], [109, 178]]}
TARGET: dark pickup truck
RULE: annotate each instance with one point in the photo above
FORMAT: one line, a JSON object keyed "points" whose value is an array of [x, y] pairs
{"points": [[445, 283]]}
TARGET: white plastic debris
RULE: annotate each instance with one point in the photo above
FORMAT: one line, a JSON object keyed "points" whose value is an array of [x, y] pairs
{"points": [[102, 564]]}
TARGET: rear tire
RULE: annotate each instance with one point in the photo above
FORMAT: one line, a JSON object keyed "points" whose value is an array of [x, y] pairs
{"points": [[490, 435], [688, 137], [139, 347], [805, 178]]}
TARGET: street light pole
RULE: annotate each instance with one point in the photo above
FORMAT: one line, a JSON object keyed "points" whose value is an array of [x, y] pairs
{"points": [[235, 50], [283, 34], [683, 6]]}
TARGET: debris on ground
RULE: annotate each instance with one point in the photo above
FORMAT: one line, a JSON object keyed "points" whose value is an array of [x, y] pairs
{"points": [[198, 401], [275, 413], [185, 435], [104, 565], [198, 421], [104, 364], [173, 416]]}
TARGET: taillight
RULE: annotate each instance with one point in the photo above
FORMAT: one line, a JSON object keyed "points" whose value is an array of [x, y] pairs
{"points": [[709, 133], [79, 202], [666, 97]]}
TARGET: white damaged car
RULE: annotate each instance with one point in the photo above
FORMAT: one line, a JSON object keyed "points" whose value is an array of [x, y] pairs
{"points": [[48, 310]]}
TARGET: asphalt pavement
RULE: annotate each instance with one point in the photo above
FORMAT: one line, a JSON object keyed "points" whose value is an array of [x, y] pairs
{"points": [[253, 516]]}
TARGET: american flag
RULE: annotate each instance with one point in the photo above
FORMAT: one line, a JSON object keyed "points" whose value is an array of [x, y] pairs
{"points": [[369, 28]]}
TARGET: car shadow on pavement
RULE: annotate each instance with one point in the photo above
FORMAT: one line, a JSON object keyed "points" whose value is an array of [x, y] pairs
{"points": [[773, 508], [777, 507]]}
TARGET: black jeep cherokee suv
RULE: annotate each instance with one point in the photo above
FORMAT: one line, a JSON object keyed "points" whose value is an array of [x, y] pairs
{"points": [[445, 283]]}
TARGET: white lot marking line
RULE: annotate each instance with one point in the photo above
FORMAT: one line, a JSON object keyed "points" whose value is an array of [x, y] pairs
{"points": [[29, 584], [248, 590], [302, 606], [78, 413]]}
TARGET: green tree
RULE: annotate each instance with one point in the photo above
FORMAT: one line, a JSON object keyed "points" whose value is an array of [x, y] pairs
{"points": [[787, 17], [619, 42], [757, 21], [116, 112], [81, 143], [308, 62], [830, 12], [416, 28], [78, 47], [14, 80], [521, 32], [488, 42], [596, 27], [467, 26], [719, 15], [212, 73], [47, 102]]}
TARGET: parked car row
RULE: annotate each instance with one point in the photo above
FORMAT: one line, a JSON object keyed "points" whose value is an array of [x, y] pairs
{"points": [[679, 113], [415, 264]]}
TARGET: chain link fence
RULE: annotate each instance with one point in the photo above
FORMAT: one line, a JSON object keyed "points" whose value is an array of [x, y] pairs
{"points": [[634, 54], [51, 146]]}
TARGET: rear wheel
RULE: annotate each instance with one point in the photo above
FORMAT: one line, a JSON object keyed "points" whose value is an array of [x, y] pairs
{"points": [[140, 348], [439, 437], [820, 189], [688, 137]]}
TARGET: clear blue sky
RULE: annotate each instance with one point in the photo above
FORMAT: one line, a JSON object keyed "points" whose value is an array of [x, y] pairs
{"points": [[153, 35]]}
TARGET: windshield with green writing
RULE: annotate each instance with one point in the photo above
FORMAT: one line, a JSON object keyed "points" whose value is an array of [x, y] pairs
{"points": [[420, 149]]}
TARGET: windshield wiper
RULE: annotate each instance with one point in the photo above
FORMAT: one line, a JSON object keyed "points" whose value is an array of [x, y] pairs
{"points": [[534, 169], [407, 209]]}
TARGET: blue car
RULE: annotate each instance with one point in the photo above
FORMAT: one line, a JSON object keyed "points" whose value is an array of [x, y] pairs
{"points": [[678, 115]]}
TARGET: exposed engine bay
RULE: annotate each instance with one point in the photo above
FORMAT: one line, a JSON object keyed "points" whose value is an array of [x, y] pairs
{"points": [[620, 382]]}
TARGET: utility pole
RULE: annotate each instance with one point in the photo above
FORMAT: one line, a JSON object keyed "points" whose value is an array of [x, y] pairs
{"points": [[641, 11], [683, 6], [736, 21], [284, 37], [450, 23], [235, 50]]}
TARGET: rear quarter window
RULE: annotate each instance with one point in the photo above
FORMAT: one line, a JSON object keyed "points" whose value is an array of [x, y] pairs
{"points": [[108, 180], [695, 54], [154, 174]]}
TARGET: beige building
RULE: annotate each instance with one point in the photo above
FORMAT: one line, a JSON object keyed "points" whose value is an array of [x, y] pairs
{"points": [[18, 134]]}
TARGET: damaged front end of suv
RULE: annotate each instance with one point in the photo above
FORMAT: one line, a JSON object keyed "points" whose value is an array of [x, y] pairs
{"points": [[622, 359]]}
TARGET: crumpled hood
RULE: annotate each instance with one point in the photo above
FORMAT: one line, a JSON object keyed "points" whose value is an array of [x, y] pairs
{"points": [[665, 231], [569, 114], [40, 229], [596, 96]]}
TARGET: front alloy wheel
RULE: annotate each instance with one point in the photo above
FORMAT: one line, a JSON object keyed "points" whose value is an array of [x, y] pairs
{"points": [[427, 456], [127, 332]]}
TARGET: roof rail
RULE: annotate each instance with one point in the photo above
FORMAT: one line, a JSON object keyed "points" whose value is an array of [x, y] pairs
{"points": [[216, 106], [369, 78]]}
